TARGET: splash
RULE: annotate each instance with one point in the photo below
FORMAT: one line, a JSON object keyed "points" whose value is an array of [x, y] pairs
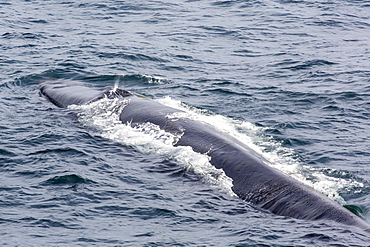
{"points": [[103, 115], [155, 79], [279, 157], [149, 138], [117, 81]]}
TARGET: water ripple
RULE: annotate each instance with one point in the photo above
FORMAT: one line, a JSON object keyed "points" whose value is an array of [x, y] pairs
{"points": [[298, 70]]}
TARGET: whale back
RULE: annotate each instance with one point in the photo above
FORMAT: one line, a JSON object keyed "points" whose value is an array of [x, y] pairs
{"points": [[253, 180], [63, 93]]}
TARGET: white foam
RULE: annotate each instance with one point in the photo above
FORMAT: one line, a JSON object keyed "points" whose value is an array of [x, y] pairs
{"points": [[103, 115], [149, 138], [281, 158], [155, 79]]}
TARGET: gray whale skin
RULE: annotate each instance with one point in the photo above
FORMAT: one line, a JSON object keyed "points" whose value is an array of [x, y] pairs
{"points": [[253, 180]]}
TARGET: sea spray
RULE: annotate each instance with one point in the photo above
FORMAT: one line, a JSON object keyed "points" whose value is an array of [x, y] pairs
{"points": [[149, 138], [117, 81], [103, 115], [281, 158]]}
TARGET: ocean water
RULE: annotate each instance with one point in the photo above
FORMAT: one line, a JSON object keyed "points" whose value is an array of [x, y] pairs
{"points": [[289, 78]]}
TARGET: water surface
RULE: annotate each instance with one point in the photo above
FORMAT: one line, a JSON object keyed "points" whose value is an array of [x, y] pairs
{"points": [[291, 78]]}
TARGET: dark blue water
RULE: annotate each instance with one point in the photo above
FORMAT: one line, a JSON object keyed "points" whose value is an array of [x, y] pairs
{"points": [[291, 78]]}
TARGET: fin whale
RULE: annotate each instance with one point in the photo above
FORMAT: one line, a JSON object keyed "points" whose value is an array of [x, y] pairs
{"points": [[253, 180]]}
